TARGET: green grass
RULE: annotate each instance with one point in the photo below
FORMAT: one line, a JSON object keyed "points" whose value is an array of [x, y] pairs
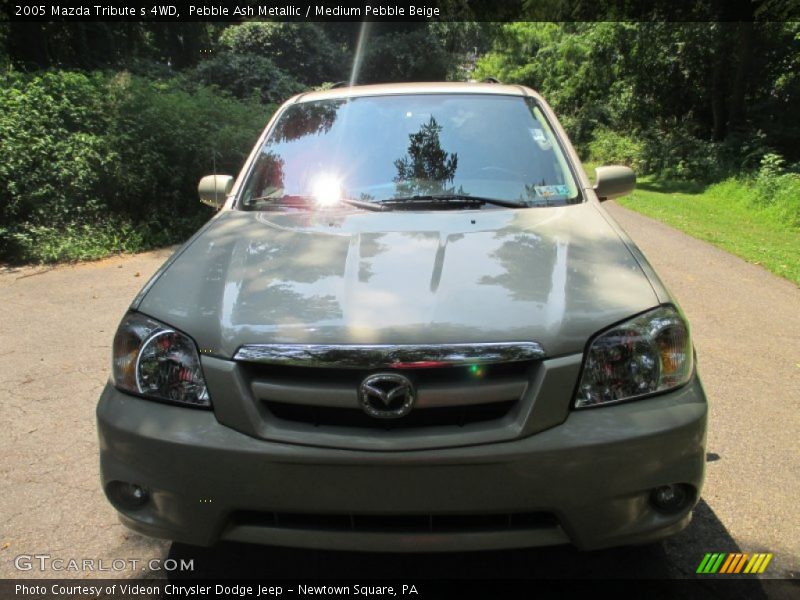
{"points": [[728, 215]]}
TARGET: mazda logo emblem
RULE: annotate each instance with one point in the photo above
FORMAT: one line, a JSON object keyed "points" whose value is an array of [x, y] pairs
{"points": [[386, 395]]}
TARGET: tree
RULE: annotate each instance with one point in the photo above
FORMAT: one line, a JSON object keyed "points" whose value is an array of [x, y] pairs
{"points": [[245, 75], [701, 93], [417, 55], [427, 168], [301, 49]]}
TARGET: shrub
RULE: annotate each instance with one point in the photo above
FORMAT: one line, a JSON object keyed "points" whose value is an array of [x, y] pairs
{"points": [[610, 147], [772, 191], [245, 75], [412, 56], [95, 164], [778, 190], [672, 152], [54, 151], [302, 50]]}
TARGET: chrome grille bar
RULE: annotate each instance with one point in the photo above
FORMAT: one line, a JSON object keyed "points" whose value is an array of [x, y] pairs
{"points": [[358, 356]]}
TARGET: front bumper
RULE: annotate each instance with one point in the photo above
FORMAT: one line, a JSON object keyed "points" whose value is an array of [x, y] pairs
{"points": [[593, 473]]}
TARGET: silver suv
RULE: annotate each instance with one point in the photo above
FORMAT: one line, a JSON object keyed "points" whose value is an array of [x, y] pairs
{"points": [[411, 326]]}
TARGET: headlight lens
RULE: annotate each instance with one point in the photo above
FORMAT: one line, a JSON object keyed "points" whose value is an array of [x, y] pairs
{"points": [[153, 360], [650, 353]]}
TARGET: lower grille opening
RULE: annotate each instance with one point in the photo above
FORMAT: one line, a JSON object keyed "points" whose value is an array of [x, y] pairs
{"points": [[423, 523], [458, 416]]}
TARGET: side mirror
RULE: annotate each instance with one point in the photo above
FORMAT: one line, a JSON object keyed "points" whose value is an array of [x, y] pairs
{"points": [[612, 182], [214, 189]]}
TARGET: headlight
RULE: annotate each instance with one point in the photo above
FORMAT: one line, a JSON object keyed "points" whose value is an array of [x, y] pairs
{"points": [[155, 361], [650, 353]]}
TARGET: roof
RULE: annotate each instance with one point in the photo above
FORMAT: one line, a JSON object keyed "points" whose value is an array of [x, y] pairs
{"points": [[449, 87]]}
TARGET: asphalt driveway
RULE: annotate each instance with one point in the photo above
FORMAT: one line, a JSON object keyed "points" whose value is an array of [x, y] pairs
{"points": [[55, 336]]}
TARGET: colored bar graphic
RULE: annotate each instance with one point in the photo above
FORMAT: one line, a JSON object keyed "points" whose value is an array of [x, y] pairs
{"points": [[727, 564], [733, 563], [711, 562], [717, 564], [754, 564], [704, 563], [765, 563], [741, 563]]}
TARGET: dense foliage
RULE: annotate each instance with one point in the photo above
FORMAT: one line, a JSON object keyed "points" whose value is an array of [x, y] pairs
{"points": [[686, 100], [106, 127], [302, 49], [97, 163], [710, 103]]}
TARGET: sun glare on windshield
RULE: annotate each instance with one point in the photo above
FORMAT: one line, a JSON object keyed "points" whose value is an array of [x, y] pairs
{"points": [[326, 189]]}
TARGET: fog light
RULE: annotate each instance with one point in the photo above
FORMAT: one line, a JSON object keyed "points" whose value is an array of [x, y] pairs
{"points": [[127, 495], [671, 498]]}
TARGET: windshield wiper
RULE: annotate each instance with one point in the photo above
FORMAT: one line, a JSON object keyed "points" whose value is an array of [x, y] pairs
{"points": [[457, 199], [365, 204], [308, 202]]}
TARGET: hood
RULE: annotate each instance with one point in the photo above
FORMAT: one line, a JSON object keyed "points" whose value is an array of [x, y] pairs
{"points": [[550, 275]]}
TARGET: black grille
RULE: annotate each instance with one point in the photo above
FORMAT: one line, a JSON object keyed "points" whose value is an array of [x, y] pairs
{"points": [[424, 523], [453, 416]]}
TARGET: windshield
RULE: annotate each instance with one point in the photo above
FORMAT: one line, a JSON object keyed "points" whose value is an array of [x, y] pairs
{"points": [[386, 150]]}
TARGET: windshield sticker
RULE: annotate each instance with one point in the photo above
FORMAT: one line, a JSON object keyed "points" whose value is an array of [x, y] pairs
{"points": [[548, 191], [538, 136]]}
